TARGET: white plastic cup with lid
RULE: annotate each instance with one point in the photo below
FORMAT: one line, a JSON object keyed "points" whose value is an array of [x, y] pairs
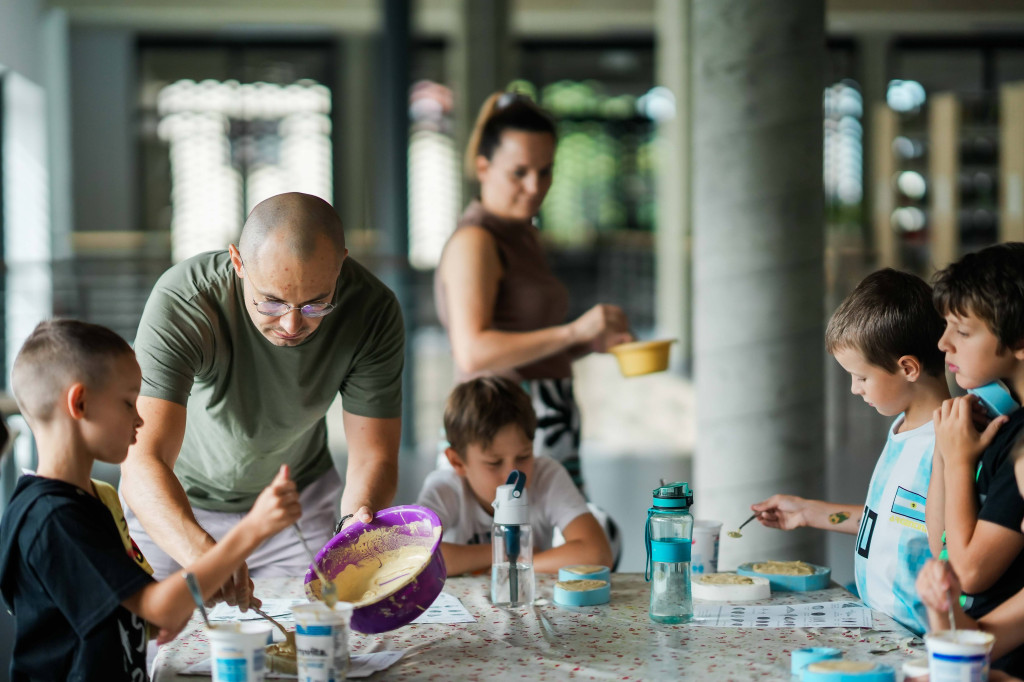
{"points": [[958, 656], [915, 670], [237, 651], [321, 641], [705, 546]]}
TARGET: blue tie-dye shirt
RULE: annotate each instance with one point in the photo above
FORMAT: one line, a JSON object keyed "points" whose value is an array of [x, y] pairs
{"points": [[892, 544]]}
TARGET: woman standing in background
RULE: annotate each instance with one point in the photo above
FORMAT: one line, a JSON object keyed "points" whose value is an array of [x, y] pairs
{"points": [[502, 306]]}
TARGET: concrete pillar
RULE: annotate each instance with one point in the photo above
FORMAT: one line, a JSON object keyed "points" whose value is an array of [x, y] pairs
{"points": [[873, 71], [102, 77], [477, 64], [353, 111], [673, 299], [758, 203], [392, 191], [55, 34]]}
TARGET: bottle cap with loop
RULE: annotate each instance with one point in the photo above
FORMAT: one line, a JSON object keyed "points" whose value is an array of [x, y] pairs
{"points": [[512, 511], [667, 498]]}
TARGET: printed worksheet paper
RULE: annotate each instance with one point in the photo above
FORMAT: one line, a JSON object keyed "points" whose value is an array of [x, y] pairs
{"points": [[835, 614]]}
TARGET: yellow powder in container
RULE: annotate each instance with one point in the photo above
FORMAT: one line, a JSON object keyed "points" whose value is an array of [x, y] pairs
{"points": [[783, 568], [724, 579], [580, 585], [840, 667], [584, 569]]}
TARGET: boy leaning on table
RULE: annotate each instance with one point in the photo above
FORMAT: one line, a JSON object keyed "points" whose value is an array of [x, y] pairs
{"points": [[982, 298], [489, 423], [885, 335], [80, 597]]}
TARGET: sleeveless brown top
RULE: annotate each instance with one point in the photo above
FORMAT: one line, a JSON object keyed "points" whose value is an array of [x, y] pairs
{"points": [[529, 296]]}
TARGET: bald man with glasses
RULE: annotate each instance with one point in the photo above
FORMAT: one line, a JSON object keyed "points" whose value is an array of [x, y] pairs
{"points": [[242, 352]]}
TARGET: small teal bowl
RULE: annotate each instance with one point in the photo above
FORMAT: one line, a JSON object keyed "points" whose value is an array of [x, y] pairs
{"points": [[818, 580], [595, 597], [880, 673]]}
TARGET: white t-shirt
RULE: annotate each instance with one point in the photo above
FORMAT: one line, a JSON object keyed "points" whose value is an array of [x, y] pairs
{"points": [[892, 544], [555, 502]]}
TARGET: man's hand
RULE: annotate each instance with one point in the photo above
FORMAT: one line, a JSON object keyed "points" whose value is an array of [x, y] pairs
{"points": [[364, 514], [784, 512], [372, 472], [955, 434], [237, 591]]}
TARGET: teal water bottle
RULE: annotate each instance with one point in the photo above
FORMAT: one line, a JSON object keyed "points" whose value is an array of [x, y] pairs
{"points": [[669, 535]]}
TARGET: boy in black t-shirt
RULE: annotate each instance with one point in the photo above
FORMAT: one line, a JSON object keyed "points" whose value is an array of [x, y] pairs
{"points": [[80, 600], [982, 298]]}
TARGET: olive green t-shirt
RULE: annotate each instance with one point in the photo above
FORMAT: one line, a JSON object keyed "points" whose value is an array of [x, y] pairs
{"points": [[252, 405]]}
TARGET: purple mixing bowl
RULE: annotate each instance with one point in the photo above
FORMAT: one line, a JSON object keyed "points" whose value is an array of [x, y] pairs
{"points": [[391, 529]]}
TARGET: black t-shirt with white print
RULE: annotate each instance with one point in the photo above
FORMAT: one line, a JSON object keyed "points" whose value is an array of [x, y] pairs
{"points": [[64, 574], [1000, 502]]}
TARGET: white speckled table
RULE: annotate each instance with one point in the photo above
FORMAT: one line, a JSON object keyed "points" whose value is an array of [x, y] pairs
{"points": [[616, 641]]}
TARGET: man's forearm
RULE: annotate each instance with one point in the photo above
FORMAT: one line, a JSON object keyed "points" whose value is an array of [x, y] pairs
{"points": [[372, 473], [369, 484], [156, 497]]}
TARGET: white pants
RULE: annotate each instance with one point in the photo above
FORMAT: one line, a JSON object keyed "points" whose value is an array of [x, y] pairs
{"points": [[281, 556]]}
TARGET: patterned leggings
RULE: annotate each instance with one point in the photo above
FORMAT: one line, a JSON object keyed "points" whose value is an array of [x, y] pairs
{"points": [[558, 423]]}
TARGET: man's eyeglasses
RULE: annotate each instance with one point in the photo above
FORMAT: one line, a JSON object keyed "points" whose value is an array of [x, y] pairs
{"points": [[280, 308]]}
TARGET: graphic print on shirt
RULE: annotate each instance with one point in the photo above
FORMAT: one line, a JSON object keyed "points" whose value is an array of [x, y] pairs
{"points": [[479, 539], [867, 531], [908, 509], [133, 654]]}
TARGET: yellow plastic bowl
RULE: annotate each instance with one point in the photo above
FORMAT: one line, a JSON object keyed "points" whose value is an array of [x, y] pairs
{"points": [[642, 357]]}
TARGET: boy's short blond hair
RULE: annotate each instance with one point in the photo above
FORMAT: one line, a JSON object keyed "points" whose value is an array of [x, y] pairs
{"points": [[57, 354], [477, 409], [890, 314]]}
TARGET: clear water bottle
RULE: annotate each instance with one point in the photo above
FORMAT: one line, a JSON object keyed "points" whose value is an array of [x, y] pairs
{"points": [[512, 580], [669, 536]]}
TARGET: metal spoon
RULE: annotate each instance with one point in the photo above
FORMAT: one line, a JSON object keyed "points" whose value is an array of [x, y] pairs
{"points": [[279, 626], [328, 592], [952, 617], [197, 595], [289, 636], [736, 533]]}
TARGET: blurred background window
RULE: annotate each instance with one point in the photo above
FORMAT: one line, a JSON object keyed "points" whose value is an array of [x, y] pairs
{"points": [[225, 127]]}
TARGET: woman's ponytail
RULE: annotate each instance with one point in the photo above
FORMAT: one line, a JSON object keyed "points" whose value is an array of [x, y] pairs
{"points": [[473, 146]]}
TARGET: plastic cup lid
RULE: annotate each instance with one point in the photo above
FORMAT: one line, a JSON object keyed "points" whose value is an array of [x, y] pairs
{"points": [[319, 613]]}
